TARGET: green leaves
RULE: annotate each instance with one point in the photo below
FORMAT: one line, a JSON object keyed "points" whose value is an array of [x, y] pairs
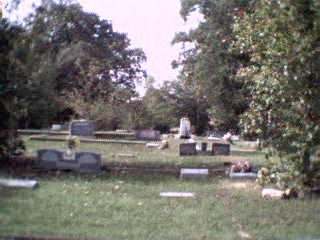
{"points": [[280, 76]]}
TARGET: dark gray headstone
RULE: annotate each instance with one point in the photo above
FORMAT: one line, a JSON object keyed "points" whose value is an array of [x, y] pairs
{"points": [[204, 146], [48, 158], [88, 161], [220, 148], [188, 149], [81, 128]]}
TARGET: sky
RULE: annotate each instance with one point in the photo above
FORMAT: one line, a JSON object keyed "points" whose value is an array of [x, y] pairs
{"points": [[150, 25]]}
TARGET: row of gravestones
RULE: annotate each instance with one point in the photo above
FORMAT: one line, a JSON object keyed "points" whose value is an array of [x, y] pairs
{"points": [[83, 162], [83, 128], [218, 148]]}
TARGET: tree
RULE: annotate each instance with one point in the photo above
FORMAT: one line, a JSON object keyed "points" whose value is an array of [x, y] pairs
{"points": [[11, 76], [76, 62], [91, 60], [208, 67], [281, 39]]}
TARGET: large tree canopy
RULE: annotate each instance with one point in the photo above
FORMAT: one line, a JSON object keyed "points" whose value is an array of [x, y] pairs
{"points": [[282, 79], [208, 66], [79, 59], [10, 65]]}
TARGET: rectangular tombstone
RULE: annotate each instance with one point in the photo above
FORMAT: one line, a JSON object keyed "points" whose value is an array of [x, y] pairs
{"points": [[18, 183], [193, 173], [220, 148], [48, 158], [204, 146], [188, 149], [249, 175], [56, 127], [81, 128], [177, 194], [153, 135], [88, 161]]}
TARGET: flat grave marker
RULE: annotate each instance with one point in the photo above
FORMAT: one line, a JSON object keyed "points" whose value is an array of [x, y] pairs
{"points": [[245, 175], [177, 194], [193, 173], [18, 183]]}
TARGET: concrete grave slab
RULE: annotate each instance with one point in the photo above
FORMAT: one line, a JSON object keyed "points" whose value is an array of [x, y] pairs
{"points": [[248, 175], [18, 183], [193, 173], [177, 194]]}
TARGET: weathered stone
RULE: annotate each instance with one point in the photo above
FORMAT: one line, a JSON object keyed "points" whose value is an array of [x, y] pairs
{"points": [[188, 149], [81, 128], [220, 148], [153, 135], [48, 158], [56, 127], [83, 162], [239, 175], [88, 161], [18, 183], [204, 146], [193, 173], [177, 194], [184, 129]]}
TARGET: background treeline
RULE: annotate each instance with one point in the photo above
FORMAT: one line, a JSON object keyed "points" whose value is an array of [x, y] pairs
{"points": [[63, 63]]}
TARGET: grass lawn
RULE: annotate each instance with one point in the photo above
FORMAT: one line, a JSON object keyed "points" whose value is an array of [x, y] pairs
{"points": [[128, 206]]}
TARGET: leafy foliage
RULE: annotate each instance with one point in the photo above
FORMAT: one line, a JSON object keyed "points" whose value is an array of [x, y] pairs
{"points": [[207, 66], [10, 142], [281, 77]]}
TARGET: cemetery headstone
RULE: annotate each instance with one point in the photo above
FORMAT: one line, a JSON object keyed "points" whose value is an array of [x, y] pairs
{"points": [[56, 127], [18, 183], [177, 194], [204, 146], [184, 129], [240, 175], [81, 128], [188, 149], [83, 162], [220, 148], [88, 161], [48, 158], [186, 173], [153, 135]]}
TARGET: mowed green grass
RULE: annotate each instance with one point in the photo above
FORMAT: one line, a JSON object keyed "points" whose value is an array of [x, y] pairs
{"points": [[127, 205], [151, 157]]}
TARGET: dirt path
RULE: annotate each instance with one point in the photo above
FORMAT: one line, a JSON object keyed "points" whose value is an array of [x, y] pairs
{"points": [[224, 197]]}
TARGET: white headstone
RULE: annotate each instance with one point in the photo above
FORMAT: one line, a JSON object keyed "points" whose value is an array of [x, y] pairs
{"points": [[184, 129], [56, 127]]}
